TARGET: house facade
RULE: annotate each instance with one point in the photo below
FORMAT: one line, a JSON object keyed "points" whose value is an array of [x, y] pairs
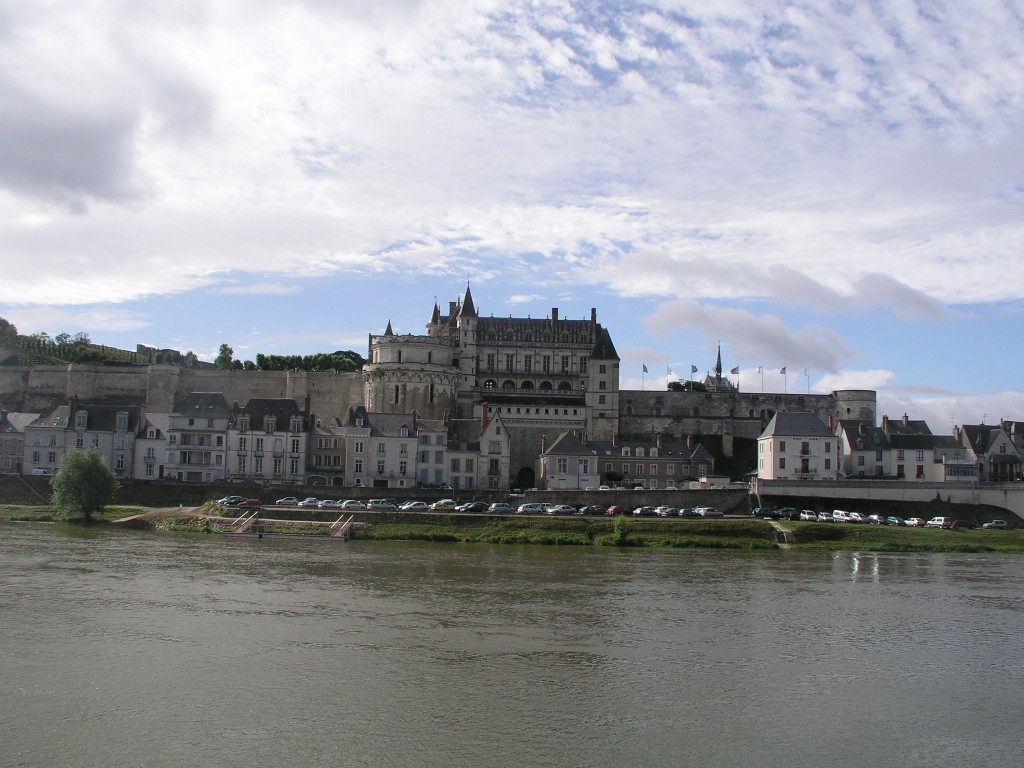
{"points": [[197, 434], [797, 446], [267, 441], [12, 440]]}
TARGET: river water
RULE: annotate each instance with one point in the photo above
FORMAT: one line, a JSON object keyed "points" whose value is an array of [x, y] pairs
{"points": [[139, 649]]}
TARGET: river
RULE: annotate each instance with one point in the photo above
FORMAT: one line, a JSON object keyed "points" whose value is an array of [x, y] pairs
{"points": [[124, 648]]}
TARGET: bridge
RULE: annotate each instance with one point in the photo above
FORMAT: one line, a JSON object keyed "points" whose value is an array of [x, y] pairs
{"points": [[1009, 496]]}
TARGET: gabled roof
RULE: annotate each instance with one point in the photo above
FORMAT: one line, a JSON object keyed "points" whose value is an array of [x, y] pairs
{"points": [[56, 419], [203, 404], [604, 349], [103, 418], [981, 437], [258, 409], [159, 421], [568, 444], [16, 422], [796, 424]]}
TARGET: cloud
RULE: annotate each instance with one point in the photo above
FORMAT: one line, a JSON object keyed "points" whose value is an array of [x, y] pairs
{"points": [[94, 319], [255, 289]]}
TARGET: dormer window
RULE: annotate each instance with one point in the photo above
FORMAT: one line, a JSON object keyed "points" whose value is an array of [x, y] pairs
{"points": [[81, 419], [639, 451], [625, 451], [359, 422], [404, 432], [270, 424], [122, 420], [243, 424]]}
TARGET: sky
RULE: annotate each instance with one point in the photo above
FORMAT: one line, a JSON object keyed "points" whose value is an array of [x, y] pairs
{"points": [[831, 187]]}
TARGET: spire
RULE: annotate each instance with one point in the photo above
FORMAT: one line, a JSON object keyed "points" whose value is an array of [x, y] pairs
{"points": [[388, 331], [718, 365], [435, 318], [468, 310]]}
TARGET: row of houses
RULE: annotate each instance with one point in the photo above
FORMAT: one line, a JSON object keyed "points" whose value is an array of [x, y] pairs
{"points": [[274, 441], [268, 440], [799, 446]]}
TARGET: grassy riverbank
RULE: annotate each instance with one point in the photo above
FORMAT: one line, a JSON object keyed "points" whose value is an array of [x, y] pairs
{"points": [[742, 534]]}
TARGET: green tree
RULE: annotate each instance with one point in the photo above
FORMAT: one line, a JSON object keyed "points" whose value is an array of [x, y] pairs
{"points": [[8, 332], [224, 357], [83, 485]]}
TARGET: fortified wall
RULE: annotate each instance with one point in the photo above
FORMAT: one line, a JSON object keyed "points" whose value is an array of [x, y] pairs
{"points": [[41, 388], [732, 414]]}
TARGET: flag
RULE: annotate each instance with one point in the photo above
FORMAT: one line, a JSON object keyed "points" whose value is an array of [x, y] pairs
{"points": [[693, 368], [645, 367], [735, 371], [760, 369], [670, 374], [783, 371], [807, 371]]}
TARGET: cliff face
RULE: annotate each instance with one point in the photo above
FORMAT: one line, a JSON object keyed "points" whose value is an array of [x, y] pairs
{"points": [[41, 388]]}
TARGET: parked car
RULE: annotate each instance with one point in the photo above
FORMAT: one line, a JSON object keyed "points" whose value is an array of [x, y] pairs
{"points": [[309, 501], [381, 505], [500, 508], [809, 516], [443, 505], [643, 511], [287, 501], [352, 504], [894, 520], [767, 513], [250, 504], [415, 506], [329, 503], [856, 517], [840, 516], [231, 501], [710, 512], [789, 513], [530, 508], [665, 510], [592, 509], [616, 509], [960, 525], [472, 507], [939, 522], [876, 519], [689, 513], [999, 525], [825, 517], [561, 509], [915, 522]]}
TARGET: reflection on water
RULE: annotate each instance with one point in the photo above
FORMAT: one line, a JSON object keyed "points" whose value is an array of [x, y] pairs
{"points": [[123, 648]]}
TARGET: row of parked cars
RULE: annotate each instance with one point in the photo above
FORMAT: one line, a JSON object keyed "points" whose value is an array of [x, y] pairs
{"points": [[841, 516]]}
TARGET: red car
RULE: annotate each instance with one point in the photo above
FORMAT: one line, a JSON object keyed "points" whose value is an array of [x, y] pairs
{"points": [[250, 504], [962, 524], [616, 510]]}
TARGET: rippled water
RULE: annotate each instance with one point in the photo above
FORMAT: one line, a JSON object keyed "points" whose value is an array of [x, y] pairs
{"points": [[135, 649]]}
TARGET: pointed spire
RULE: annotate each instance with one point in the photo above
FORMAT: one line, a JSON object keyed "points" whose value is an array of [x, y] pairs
{"points": [[468, 310], [435, 318], [718, 365], [388, 331]]}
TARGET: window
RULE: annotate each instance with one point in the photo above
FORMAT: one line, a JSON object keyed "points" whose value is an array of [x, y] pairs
{"points": [[259, 445], [654, 469], [380, 467], [583, 366], [380, 449], [585, 466], [565, 363], [625, 469], [546, 363], [510, 362], [919, 456], [403, 449], [899, 455], [528, 363], [860, 460], [278, 466], [602, 368], [878, 455], [494, 447], [241, 463], [563, 466], [79, 441], [782, 462], [782, 445], [602, 385], [490, 362], [455, 463], [295, 445], [438, 439], [293, 467], [828, 463], [358, 448], [357, 465], [209, 422], [601, 400], [439, 457], [403, 467]]}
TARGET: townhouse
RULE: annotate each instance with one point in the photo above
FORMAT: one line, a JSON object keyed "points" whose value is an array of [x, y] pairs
{"points": [[797, 446]]}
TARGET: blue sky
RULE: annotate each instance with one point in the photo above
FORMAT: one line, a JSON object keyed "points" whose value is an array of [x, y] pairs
{"points": [[830, 186]]}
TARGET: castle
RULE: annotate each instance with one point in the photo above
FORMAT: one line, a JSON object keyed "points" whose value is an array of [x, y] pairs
{"points": [[542, 376]]}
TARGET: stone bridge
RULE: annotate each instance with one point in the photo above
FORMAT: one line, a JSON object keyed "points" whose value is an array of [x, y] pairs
{"points": [[1009, 496]]}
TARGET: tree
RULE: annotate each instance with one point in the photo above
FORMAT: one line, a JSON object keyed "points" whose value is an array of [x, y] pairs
{"points": [[224, 356], [83, 485]]}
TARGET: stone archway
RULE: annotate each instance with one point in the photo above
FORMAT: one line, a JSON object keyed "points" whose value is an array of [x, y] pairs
{"points": [[525, 479]]}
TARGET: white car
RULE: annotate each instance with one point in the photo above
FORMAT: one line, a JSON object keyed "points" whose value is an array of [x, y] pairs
{"points": [[287, 501], [809, 516], [856, 517], [354, 504], [443, 505], [939, 522], [415, 506], [996, 524], [381, 504], [530, 508], [309, 501], [840, 516], [329, 504], [915, 522]]}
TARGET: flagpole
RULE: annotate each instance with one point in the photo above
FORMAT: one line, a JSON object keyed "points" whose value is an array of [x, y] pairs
{"points": [[807, 373]]}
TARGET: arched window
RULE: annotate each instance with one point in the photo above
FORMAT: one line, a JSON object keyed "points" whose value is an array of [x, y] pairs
{"points": [[564, 386], [545, 385], [508, 384], [490, 384], [526, 385]]}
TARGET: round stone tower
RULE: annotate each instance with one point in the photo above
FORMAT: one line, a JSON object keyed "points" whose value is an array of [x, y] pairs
{"points": [[409, 373]]}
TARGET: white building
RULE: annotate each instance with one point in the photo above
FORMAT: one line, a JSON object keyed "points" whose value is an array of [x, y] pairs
{"points": [[797, 446]]}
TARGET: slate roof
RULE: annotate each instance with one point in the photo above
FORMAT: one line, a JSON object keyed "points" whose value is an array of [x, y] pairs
{"points": [[569, 444], [103, 418], [796, 424], [57, 418], [283, 409], [203, 404], [16, 422]]}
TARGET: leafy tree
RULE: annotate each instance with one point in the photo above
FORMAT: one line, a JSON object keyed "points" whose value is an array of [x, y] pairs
{"points": [[81, 338], [8, 333], [224, 357], [62, 339], [83, 485]]}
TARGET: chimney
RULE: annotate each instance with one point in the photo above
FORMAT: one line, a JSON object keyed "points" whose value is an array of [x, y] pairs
{"points": [[885, 424], [484, 416], [615, 439], [593, 315], [689, 441], [554, 316], [585, 439], [661, 440], [415, 415], [543, 444], [831, 423], [862, 428], [905, 420]]}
